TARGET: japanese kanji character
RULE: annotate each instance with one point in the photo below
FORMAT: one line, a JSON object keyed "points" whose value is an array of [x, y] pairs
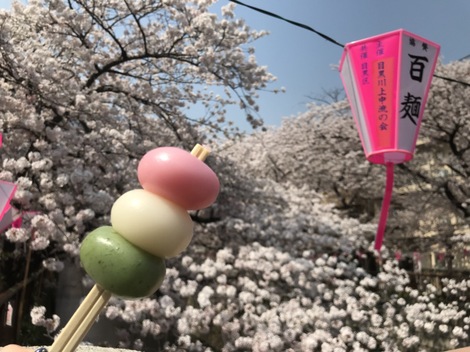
{"points": [[417, 67], [411, 107]]}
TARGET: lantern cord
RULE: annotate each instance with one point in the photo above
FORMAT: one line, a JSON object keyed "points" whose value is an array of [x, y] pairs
{"points": [[298, 24], [330, 39], [379, 237]]}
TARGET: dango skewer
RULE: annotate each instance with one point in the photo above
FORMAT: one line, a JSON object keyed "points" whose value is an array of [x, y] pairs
{"points": [[148, 225]]}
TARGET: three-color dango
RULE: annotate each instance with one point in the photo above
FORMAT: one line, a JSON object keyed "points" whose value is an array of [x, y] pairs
{"points": [[150, 224]]}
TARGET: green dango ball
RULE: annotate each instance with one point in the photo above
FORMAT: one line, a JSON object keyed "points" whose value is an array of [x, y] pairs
{"points": [[120, 267]]}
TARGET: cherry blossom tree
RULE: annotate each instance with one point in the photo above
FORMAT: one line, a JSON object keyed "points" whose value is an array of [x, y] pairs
{"points": [[445, 150], [88, 86], [321, 148]]}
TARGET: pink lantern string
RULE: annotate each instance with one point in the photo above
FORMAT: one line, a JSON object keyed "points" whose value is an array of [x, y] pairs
{"points": [[379, 237]]}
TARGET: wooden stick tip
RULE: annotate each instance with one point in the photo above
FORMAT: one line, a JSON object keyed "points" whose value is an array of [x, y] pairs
{"points": [[200, 152]]}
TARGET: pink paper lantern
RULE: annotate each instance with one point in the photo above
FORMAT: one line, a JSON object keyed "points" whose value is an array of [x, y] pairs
{"points": [[387, 80], [7, 191], [11, 218]]}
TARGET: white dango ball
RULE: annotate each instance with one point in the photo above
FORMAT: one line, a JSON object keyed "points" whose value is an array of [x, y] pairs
{"points": [[152, 223]]}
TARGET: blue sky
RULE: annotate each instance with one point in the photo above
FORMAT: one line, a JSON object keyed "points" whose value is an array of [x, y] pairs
{"points": [[302, 60]]}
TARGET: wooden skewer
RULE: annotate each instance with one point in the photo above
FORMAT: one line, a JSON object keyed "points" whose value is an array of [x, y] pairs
{"points": [[81, 321], [200, 152], [84, 317]]}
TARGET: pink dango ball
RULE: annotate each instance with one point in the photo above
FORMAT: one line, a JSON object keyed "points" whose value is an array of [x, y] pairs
{"points": [[178, 176]]}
